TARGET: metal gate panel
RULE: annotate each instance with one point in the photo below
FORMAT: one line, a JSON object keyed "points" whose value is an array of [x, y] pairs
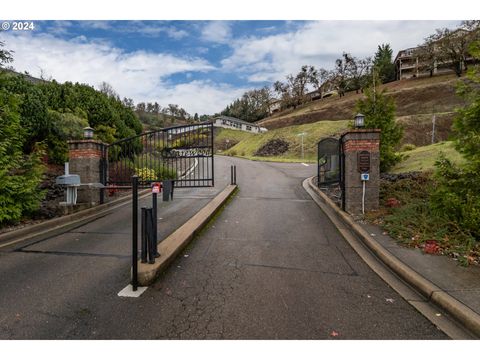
{"points": [[183, 154]]}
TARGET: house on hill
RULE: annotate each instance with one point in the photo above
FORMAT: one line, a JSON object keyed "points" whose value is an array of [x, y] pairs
{"points": [[408, 65], [229, 122]]}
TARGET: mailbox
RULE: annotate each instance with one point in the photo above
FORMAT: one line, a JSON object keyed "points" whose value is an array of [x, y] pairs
{"points": [[68, 180]]}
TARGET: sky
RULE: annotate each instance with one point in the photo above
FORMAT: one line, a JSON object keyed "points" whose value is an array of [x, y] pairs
{"points": [[200, 65]]}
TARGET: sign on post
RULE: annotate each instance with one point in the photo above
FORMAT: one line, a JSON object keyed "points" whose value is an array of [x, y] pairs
{"points": [[156, 188], [363, 161]]}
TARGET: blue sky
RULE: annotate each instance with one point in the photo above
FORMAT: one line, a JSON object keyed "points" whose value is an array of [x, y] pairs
{"points": [[200, 65]]}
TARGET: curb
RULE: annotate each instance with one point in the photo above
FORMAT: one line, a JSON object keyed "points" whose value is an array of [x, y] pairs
{"points": [[62, 224], [172, 245], [462, 313]]}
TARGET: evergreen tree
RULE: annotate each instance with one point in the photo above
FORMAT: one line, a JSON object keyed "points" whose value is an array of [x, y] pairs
{"points": [[379, 111], [383, 63]]}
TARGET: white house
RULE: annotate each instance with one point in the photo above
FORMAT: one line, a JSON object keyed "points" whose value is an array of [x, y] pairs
{"points": [[228, 122]]}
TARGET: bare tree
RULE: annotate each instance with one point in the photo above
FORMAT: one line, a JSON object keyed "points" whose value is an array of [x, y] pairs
{"points": [[108, 90], [427, 55], [340, 78], [319, 80], [140, 107], [448, 47], [357, 71], [284, 92], [5, 55], [128, 102]]}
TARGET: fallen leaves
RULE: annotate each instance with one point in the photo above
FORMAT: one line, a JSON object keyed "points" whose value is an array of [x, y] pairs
{"points": [[431, 247]]}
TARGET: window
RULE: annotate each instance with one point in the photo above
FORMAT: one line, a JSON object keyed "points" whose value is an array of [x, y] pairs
{"points": [[249, 128]]}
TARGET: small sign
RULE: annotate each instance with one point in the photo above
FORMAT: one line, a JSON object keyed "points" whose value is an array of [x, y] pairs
{"points": [[363, 161], [156, 188], [365, 176]]}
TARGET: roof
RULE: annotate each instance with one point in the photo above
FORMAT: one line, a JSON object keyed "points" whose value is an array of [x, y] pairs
{"points": [[223, 117]]}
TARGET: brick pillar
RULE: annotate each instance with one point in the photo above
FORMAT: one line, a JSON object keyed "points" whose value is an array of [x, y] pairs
{"points": [[85, 159], [365, 142]]}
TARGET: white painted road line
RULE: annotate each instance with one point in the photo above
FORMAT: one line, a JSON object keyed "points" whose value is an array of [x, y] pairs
{"points": [[305, 164], [128, 292]]}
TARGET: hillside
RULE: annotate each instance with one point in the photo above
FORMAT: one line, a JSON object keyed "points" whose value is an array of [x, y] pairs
{"points": [[416, 100], [423, 158], [246, 144], [243, 144]]}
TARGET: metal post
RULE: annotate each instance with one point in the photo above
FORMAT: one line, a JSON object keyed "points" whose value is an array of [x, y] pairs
{"points": [[234, 174], [150, 234], [143, 232], [231, 174], [134, 232], [155, 222], [433, 129], [212, 152], [302, 148]]}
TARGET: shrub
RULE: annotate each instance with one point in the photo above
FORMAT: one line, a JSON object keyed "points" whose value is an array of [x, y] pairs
{"points": [[20, 175], [146, 174], [408, 147]]}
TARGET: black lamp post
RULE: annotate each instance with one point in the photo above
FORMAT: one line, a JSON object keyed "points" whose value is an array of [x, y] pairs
{"points": [[359, 121]]}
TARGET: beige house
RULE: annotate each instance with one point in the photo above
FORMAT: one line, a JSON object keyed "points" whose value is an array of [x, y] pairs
{"points": [[229, 122], [407, 64]]}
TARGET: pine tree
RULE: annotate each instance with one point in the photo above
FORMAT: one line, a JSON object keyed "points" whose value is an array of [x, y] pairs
{"points": [[383, 63], [379, 111]]}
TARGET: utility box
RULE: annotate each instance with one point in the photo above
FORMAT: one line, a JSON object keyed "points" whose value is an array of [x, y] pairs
{"points": [[167, 190]]}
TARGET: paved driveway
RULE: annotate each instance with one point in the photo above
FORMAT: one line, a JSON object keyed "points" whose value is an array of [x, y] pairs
{"points": [[271, 266]]}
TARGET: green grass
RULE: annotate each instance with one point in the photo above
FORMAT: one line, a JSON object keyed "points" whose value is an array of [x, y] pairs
{"points": [[250, 143], [232, 135], [423, 158]]}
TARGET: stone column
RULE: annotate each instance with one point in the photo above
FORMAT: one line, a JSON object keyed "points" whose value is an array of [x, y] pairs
{"points": [[85, 158], [360, 147]]}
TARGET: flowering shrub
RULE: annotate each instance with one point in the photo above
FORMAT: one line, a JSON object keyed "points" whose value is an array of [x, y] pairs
{"points": [[145, 174]]}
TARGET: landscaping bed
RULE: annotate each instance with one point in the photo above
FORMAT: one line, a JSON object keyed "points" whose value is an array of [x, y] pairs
{"points": [[405, 215]]}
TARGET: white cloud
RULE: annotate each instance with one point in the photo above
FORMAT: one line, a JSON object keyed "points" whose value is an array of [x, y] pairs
{"points": [[319, 43], [217, 32], [202, 97], [151, 29], [139, 75]]}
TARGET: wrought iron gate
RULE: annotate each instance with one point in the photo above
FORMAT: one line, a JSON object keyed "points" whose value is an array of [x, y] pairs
{"points": [[183, 154], [331, 168]]}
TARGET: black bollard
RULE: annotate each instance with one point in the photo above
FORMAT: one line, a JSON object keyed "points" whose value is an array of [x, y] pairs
{"points": [[155, 222], [150, 234], [143, 232], [134, 233]]}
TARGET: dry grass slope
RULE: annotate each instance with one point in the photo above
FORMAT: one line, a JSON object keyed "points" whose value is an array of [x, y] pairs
{"points": [[416, 100]]}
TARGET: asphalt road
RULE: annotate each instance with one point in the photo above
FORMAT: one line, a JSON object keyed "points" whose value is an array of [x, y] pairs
{"points": [[271, 266]]}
